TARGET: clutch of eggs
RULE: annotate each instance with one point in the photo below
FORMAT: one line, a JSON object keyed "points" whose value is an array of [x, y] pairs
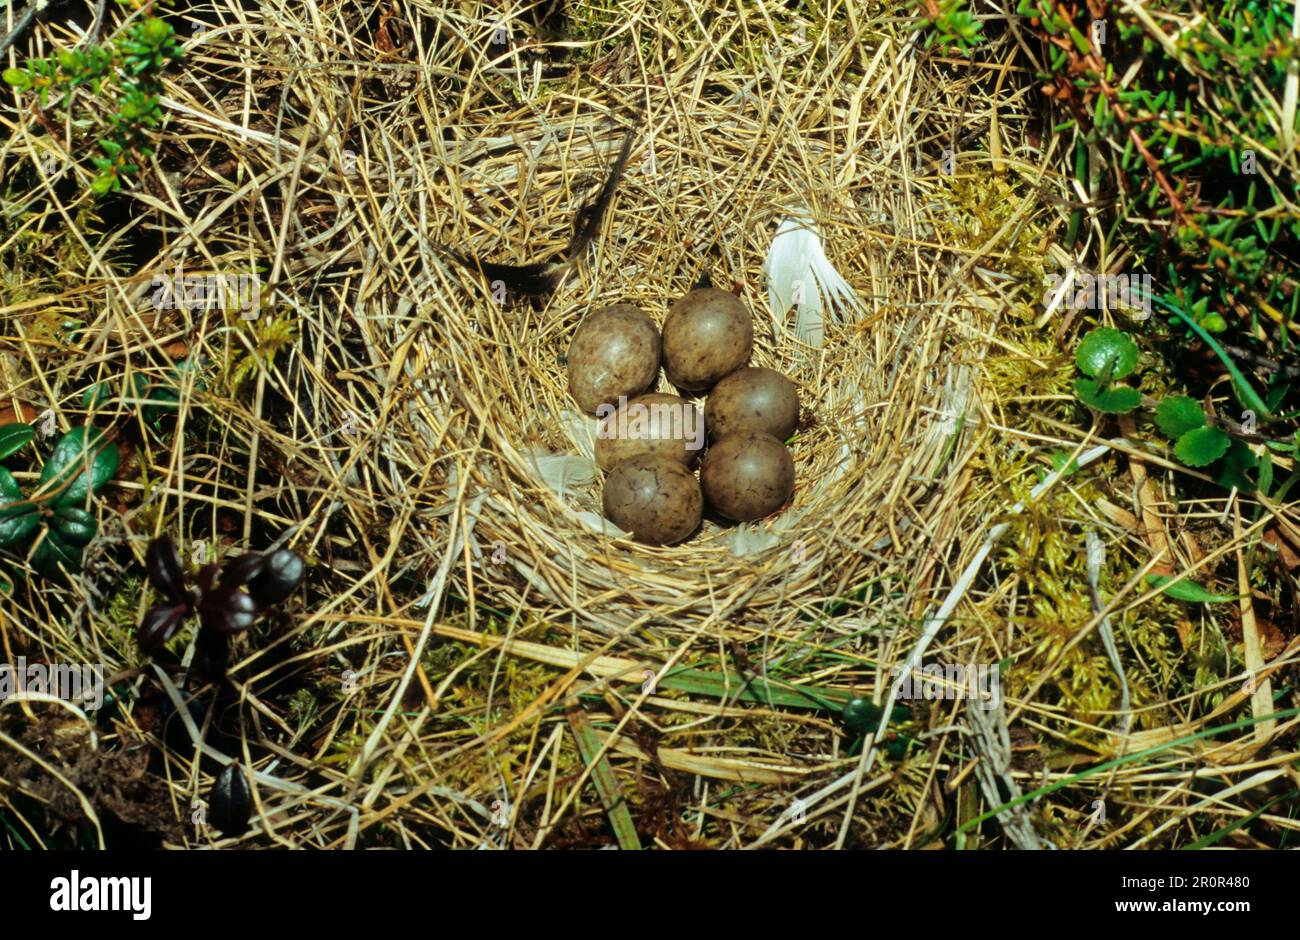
{"points": [[648, 442]]}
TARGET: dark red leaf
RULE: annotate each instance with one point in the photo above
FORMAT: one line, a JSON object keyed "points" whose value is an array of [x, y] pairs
{"points": [[159, 624], [231, 801], [211, 655], [162, 563], [207, 578], [238, 571], [283, 573], [227, 610]]}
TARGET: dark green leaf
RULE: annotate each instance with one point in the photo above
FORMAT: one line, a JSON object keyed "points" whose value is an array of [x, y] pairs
{"points": [[96, 395], [1236, 462], [13, 437], [1105, 351], [74, 526], [17, 516], [1114, 400], [82, 462], [53, 553]]}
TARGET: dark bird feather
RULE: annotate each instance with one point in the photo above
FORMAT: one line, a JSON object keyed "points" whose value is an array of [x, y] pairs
{"points": [[542, 277]]}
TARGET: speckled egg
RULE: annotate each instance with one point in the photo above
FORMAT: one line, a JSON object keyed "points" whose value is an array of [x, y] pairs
{"points": [[656, 499], [747, 475], [615, 352]]}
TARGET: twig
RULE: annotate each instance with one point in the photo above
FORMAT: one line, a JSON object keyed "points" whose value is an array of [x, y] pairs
{"points": [[22, 23]]}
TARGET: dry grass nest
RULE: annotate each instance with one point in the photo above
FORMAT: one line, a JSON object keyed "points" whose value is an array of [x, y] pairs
{"points": [[522, 492]]}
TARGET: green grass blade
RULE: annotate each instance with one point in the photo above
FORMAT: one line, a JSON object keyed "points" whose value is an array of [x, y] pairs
{"points": [[602, 775], [1215, 836]]}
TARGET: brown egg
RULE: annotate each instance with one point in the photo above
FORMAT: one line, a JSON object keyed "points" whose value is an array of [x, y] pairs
{"points": [[708, 334], [747, 475], [654, 423], [614, 352], [753, 399], [656, 499]]}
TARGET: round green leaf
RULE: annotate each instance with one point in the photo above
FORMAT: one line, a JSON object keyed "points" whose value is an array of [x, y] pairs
{"points": [[82, 462], [861, 715], [1178, 414], [74, 526], [1061, 460], [1113, 401], [1106, 348], [17, 516], [13, 437], [161, 401], [1202, 446]]}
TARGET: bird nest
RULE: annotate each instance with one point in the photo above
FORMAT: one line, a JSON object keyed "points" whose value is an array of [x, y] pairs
{"points": [[705, 194]]}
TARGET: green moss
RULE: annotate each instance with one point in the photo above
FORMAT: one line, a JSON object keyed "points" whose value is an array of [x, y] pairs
{"points": [[42, 259], [121, 618], [271, 336], [978, 203], [1044, 551]]}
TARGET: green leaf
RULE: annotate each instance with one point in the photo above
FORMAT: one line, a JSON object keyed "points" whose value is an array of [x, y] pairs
{"points": [[1061, 460], [861, 716], [53, 552], [1178, 414], [96, 395], [733, 687], [162, 400], [1186, 590], [17, 516], [105, 182], [13, 437], [603, 778], [1202, 446], [1106, 351], [1242, 822], [1265, 473], [1245, 392], [1238, 460], [82, 462], [1115, 400], [74, 526]]}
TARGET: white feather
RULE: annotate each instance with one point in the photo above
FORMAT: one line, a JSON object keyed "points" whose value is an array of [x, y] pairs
{"points": [[561, 472], [581, 431], [599, 524], [747, 540], [799, 275]]}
